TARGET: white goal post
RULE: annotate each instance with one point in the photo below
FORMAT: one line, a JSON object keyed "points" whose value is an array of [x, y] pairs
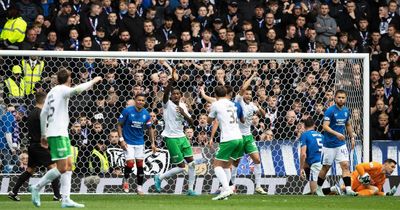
{"points": [[327, 61]]}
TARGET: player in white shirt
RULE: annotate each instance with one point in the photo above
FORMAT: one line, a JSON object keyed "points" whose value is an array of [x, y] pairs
{"points": [[249, 146], [175, 113], [231, 142], [54, 121]]}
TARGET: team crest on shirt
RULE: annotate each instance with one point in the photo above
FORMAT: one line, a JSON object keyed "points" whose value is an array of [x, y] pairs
{"points": [[345, 114], [144, 117]]}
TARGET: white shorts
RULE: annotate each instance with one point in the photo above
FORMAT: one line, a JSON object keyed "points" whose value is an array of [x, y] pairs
{"points": [[338, 154], [314, 171], [134, 152]]}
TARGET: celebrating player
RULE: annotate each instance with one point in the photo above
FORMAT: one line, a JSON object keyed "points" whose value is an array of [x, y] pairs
{"points": [[37, 155], [249, 146], [231, 143], [54, 120], [336, 121], [131, 124], [310, 155], [174, 114]]}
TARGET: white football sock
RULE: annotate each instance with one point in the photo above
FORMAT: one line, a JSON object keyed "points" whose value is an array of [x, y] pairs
{"points": [[47, 178], [171, 172], [233, 176], [228, 174], [192, 175], [257, 174], [220, 173], [65, 185]]}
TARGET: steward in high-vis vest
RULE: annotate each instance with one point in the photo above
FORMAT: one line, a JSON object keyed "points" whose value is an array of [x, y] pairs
{"points": [[13, 32], [98, 161], [33, 69], [14, 87]]}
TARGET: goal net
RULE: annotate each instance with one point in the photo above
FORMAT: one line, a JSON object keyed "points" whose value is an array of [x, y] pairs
{"points": [[289, 87]]}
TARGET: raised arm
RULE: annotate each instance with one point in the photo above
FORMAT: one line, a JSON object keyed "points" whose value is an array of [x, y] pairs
{"points": [[206, 97], [82, 87], [167, 90], [247, 83]]}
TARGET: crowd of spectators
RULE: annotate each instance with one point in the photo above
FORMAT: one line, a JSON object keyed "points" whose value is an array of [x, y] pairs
{"points": [[288, 90]]}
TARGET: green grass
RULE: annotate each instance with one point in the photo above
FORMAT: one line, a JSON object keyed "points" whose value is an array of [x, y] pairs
{"points": [[245, 202]]}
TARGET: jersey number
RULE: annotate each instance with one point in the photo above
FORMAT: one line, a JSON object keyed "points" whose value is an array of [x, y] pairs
{"points": [[233, 116], [51, 109], [319, 142]]}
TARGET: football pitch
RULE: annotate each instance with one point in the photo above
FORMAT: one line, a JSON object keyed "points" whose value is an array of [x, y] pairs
{"points": [[182, 202]]}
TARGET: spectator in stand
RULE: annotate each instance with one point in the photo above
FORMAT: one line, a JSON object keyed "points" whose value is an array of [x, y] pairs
{"points": [[257, 127], [14, 87], [13, 31], [201, 139], [133, 24], [318, 115], [73, 42], [286, 128], [4, 10], [380, 94], [51, 41], [233, 20], [112, 27], [115, 154], [87, 44], [202, 125], [90, 22], [348, 19], [8, 144], [22, 163], [98, 37], [30, 42], [98, 161], [29, 10], [62, 21], [324, 25], [268, 135], [381, 132], [190, 135]]}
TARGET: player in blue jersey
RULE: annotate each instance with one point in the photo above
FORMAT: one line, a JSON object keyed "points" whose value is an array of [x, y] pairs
{"points": [[310, 155], [131, 125], [336, 122]]}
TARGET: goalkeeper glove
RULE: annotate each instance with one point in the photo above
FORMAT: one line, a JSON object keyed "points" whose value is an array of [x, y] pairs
{"points": [[365, 179]]}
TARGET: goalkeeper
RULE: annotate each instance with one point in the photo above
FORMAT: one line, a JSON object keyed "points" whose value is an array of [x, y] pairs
{"points": [[368, 178]]}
